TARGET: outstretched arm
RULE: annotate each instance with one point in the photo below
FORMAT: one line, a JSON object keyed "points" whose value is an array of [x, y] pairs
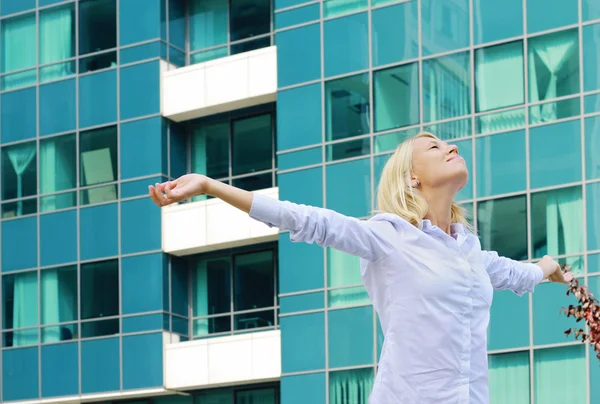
{"points": [[369, 240]]}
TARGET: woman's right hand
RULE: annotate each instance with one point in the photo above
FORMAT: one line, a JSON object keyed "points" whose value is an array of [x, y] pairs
{"points": [[184, 187]]}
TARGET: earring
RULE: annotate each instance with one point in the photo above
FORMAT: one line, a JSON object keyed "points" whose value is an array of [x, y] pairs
{"points": [[418, 184]]}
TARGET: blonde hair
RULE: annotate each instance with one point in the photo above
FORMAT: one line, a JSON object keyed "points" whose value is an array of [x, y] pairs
{"points": [[395, 193]]}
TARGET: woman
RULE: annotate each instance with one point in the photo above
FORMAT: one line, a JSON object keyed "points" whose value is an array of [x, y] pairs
{"points": [[429, 280]]}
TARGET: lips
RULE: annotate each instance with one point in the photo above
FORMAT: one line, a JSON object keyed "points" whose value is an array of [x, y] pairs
{"points": [[453, 158]]}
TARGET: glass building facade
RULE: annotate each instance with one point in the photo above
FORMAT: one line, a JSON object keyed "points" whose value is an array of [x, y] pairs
{"points": [[89, 297]]}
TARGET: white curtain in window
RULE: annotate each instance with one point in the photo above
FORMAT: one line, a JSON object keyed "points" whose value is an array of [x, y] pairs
{"points": [[25, 309], [569, 363], [509, 378], [20, 157], [563, 221], [350, 386], [56, 40], [200, 304], [18, 51]]}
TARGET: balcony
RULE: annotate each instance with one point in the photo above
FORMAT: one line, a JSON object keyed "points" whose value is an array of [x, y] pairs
{"points": [[221, 85]]}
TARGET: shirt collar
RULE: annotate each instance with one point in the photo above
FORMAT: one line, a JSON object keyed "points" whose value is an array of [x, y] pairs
{"points": [[455, 228]]}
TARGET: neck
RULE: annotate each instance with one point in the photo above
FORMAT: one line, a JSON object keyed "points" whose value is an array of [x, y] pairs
{"points": [[439, 204]]}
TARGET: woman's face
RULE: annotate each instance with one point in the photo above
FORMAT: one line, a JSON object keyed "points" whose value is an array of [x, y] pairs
{"points": [[436, 163]]}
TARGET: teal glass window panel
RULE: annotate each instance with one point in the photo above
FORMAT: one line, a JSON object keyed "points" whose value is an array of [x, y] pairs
{"points": [[378, 164], [97, 25], [98, 161], [16, 6], [20, 374], [301, 389], [500, 163], [351, 198], [502, 226], [349, 149], [18, 113], [142, 361], [350, 337], [254, 281], [569, 362], [593, 216], [98, 231], [101, 328], [178, 149], [299, 114], [64, 357], [20, 305], [592, 147], [303, 186], [208, 23], [179, 286], [560, 143], [98, 62], [592, 103], [139, 20], [211, 286], [380, 339], [139, 187], [390, 141], [346, 44], [563, 109], [303, 342], [342, 269], [396, 97], [300, 158], [97, 98], [499, 76], [205, 56], [137, 214], [593, 263], [20, 249], [346, 297], [18, 46], [100, 365], [493, 21], [594, 375], [445, 25], [353, 383], [297, 16], [509, 322], [451, 130], [54, 202], [298, 55], [332, 8], [500, 121], [57, 107], [57, 164], [43, 3], [57, 71], [347, 107], [553, 68], [446, 87], [465, 149], [142, 283], [176, 57], [393, 42], [264, 395], [549, 14], [306, 301], [288, 3], [177, 23], [58, 250], [509, 380], [147, 322], [252, 144], [557, 222], [140, 90], [296, 275], [549, 324], [248, 46], [590, 10], [58, 301], [99, 276], [591, 53], [210, 149], [249, 18], [143, 148], [140, 52], [57, 37]]}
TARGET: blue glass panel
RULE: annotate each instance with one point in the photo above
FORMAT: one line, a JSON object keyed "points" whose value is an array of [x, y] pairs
{"points": [[178, 149], [445, 25], [300, 158], [350, 337], [294, 274], [509, 322], [135, 215], [141, 148], [593, 263], [548, 14], [594, 375], [97, 98], [591, 53], [141, 52], [177, 23], [58, 250], [140, 187], [303, 342], [139, 20], [16, 6], [49, 2], [509, 378], [547, 143], [57, 107], [205, 56], [18, 115], [351, 198], [100, 368], [465, 149], [548, 324], [140, 90], [396, 97], [66, 381], [570, 362], [148, 322], [304, 186], [308, 301], [299, 115], [501, 163], [142, 361], [297, 16], [176, 57], [380, 339], [20, 374], [298, 55], [592, 103], [288, 3], [493, 21], [208, 23], [179, 286], [19, 251], [346, 44], [593, 216], [590, 11], [99, 231], [142, 283], [303, 389], [394, 41]]}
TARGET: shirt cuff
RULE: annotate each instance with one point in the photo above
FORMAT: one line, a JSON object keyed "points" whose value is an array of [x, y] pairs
{"points": [[538, 274], [265, 209]]}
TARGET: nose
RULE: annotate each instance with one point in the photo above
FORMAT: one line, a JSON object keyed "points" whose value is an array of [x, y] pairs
{"points": [[452, 148]]}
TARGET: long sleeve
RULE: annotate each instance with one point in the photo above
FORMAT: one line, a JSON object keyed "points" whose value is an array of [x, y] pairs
{"points": [[506, 273], [370, 240]]}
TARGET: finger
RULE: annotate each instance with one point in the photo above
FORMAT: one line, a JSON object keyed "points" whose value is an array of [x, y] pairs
{"points": [[568, 277], [154, 195]]}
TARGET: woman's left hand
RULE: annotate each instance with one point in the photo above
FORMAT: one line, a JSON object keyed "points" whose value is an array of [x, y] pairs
{"points": [[553, 271]]}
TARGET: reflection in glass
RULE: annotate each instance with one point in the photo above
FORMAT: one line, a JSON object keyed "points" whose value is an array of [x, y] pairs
{"points": [[395, 33], [502, 226], [256, 396], [57, 164], [63, 332], [99, 289], [396, 94], [345, 150], [255, 319], [248, 46], [355, 383], [567, 361], [211, 325], [21, 207], [20, 306], [592, 147], [19, 172], [201, 57], [347, 107], [450, 130], [18, 48], [500, 121], [208, 23], [390, 141], [57, 37], [252, 146], [97, 25], [254, 283], [99, 163], [509, 378], [58, 294], [249, 18], [210, 150], [211, 291], [494, 21], [331, 8], [444, 25]]}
